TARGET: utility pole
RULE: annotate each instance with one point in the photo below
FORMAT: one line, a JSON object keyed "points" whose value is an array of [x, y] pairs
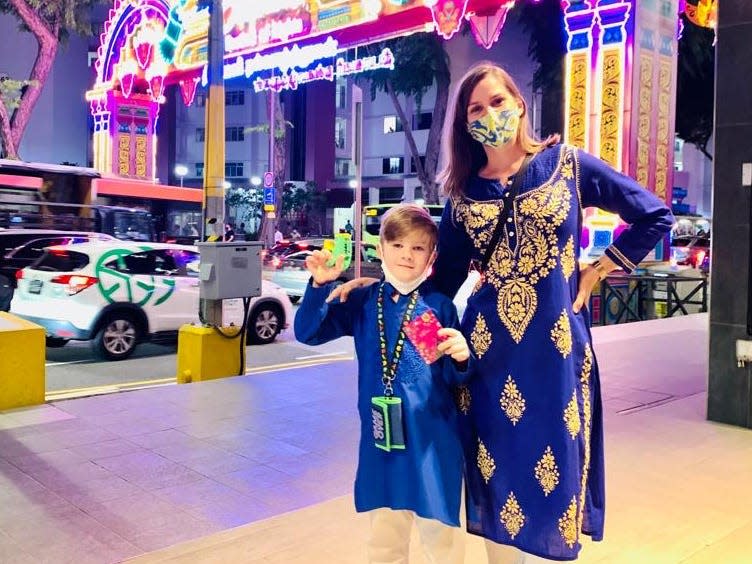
{"points": [[357, 100], [214, 149]]}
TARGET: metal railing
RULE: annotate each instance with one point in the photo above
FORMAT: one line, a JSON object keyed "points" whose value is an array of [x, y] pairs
{"points": [[636, 296]]}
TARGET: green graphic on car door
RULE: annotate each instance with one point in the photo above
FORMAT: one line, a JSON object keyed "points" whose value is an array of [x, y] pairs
{"points": [[117, 286]]}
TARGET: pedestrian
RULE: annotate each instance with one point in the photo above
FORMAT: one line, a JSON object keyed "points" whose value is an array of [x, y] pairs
{"points": [[412, 474], [532, 421], [229, 233], [278, 237], [349, 227], [294, 234]]}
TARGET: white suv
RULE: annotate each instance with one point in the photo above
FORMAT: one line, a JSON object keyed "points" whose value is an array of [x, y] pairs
{"points": [[117, 294]]}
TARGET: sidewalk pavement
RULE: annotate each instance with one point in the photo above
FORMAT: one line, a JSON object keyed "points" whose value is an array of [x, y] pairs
{"points": [[259, 468]]}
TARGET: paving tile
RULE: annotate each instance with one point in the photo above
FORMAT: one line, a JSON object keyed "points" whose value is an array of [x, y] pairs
{"points": [[106, 449]]}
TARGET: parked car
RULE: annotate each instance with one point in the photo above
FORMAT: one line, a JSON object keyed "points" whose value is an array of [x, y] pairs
{"points": [[273, 256], [291, 274], [693, 251], [119, 294], [21, 247]]}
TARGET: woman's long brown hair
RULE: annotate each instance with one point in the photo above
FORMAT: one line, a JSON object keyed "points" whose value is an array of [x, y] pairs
{"points": [[464, 155]]}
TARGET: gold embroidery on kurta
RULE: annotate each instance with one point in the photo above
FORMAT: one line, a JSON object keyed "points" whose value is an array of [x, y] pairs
{"points": [[476, 217], [486, 463], [567, 170], [516, 306], [547, 472], [561, 335], [480, 337], [463, 399], [567, 259], [515, 269], [511, 516], [587, 367], [512, 402], [568, 524], [572, 416]]}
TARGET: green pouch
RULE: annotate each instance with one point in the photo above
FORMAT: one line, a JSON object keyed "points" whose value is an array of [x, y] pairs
{"points": [[341, 245], [388, 429]]}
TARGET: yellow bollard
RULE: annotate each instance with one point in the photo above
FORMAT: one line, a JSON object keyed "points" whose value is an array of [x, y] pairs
{"points": [[22, 351], [204, 354]]}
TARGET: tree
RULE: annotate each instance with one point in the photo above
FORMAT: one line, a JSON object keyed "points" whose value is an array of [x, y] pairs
{"points": [[304, 205], [50, 22], [695, 81], [419, 61], [247, 203], [543, 21], [279, 154]]}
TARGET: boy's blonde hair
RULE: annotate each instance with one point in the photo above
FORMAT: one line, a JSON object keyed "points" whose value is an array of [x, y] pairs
{"points": [[406, 218]]}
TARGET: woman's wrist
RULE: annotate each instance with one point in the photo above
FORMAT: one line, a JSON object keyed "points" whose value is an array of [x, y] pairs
{"points": [[602, 270]]}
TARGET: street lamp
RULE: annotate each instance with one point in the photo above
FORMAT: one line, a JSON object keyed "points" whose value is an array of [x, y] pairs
{"points": [[227, 185], [181, 170], [256, 181], [353, 183]]}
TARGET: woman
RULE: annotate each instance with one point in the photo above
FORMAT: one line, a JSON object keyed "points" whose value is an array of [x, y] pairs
{"points": [[531, 414]]}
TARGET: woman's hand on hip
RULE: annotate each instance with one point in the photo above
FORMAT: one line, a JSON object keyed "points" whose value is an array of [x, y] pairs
{"points": [[344, 290], [589, 277]]}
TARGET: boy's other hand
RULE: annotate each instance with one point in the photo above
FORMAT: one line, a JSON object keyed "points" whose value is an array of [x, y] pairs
{"points": [[454, 344], [343, 290], [323, 274]]}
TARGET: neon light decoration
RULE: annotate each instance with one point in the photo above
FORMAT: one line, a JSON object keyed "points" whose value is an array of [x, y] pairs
{"points": [[447, 16], [149, 45], [486, 27]]}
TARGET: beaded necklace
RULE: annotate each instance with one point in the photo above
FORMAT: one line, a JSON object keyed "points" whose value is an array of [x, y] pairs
{"points": [[388, 371]]}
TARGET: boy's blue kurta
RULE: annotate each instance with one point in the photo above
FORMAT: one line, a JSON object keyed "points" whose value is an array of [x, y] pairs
{"points": [[532, 418], [426, 477]]}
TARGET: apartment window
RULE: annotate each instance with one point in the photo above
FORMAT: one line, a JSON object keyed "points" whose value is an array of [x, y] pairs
{"points": [[392, 124], [422, 120], [199, 170], [393, 165], [413, 168], [235, 98], [234, 133], [233, 170], [342, 167], [200, 100], [341, 94], [340, 129], [200, 134]]}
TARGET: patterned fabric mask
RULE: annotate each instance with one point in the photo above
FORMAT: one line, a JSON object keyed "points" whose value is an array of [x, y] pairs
{"points": [[495, 128]]}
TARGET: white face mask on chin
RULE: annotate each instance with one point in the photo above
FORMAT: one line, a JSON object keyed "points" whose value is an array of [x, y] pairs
{"points": [[405, 288]]}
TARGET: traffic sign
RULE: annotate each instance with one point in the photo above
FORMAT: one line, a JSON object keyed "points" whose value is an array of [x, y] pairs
{"points": [[268, 179], [269, 196], [268, 207]]}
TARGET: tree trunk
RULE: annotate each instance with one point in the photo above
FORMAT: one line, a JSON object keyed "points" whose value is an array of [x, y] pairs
{"points": [[10, 151], [278, 132], [407, 127], [48, 41], [433, 145]]}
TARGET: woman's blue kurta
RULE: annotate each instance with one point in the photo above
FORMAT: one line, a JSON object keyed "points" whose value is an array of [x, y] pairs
{"points": [[531, 416], [426, 477]]}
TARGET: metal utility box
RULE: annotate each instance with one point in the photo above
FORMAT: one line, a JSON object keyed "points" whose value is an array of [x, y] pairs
{"points": [[230, 269]]}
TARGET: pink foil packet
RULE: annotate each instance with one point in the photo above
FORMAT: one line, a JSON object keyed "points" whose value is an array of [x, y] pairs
{"points": [[423, 334]]}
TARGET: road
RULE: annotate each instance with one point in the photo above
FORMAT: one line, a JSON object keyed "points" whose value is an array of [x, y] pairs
{"points": [[73, 370]]}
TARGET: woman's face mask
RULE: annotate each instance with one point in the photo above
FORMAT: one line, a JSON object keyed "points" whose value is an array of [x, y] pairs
{"points": [[496, 128]]}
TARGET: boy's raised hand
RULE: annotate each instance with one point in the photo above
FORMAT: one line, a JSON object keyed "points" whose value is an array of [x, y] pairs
{"points": [[321, 273], [454, 344]]}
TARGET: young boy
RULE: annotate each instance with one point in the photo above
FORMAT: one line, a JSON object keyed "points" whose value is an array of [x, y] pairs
{"points": [[410, 459]]}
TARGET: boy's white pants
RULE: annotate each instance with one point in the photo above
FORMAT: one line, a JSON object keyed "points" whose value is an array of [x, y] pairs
{"points": [[504, 554], [389, 542]]}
